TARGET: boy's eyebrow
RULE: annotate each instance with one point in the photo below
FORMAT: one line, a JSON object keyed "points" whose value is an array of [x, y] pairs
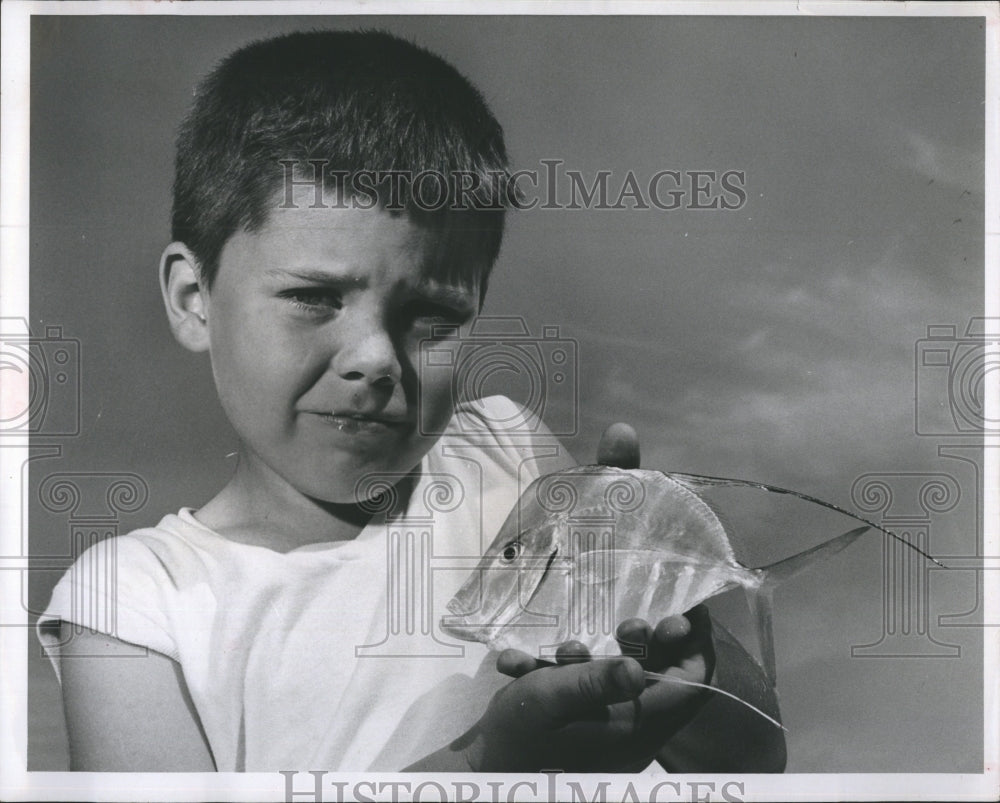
{"points": [[435, 291], [315, 275]]}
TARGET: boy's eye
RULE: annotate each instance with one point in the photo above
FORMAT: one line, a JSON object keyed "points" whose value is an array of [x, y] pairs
{"points": [[314, 299]]}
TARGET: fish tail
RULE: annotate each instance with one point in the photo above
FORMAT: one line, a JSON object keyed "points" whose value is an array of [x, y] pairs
{"points": [[760, 598], [657, 677]]}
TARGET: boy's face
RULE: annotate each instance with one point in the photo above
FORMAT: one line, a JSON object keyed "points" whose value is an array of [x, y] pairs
{"points": [[315, 325]]}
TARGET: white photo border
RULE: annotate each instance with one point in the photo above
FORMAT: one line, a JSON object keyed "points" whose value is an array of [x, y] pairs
{"points": [[19, 784]]}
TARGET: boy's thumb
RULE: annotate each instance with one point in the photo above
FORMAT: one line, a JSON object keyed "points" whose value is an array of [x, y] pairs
{"points": [[619, 447]]}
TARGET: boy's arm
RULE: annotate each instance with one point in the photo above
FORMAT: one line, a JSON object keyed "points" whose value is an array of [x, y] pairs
{"points": [[127, 713]]}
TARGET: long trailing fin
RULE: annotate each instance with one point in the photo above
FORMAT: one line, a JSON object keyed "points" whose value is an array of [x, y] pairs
{"points": [[761, 607], [698, 482], [657, 677], [760, 598]]}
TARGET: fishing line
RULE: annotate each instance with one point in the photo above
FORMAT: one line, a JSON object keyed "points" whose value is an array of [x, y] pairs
{"points": [[656, 677]]}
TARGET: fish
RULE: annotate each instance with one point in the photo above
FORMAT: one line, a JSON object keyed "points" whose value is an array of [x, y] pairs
{"points": [[591, 546]]}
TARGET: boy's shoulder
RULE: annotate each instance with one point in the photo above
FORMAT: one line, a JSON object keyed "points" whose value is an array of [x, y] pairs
{"points": [[507, 433], [176, 540], [495, 414], [179, 534], [125, 586], [502, 419], [148, 564]]}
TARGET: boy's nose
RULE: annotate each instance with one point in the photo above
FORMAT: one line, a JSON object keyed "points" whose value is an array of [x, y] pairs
{"points": [[370, 357]]}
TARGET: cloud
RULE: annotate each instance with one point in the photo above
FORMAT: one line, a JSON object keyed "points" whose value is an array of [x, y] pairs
{"points": [[942, 163]]}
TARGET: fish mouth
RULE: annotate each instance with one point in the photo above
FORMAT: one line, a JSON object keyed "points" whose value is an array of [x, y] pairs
{"points": [[470, 627]]}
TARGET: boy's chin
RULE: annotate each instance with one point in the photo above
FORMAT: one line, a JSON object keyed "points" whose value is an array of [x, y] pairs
{"points": [[381, 497], [373, 490]]}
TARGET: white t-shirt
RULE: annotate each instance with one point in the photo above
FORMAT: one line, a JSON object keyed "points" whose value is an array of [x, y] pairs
{"points": [[329, 656]]}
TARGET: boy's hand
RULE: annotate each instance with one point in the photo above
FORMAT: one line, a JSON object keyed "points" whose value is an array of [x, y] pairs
{"points": [[601, 715], [619, 447]]}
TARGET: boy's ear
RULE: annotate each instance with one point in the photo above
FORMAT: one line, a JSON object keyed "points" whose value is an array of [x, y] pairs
{"points": [[183, 297]]}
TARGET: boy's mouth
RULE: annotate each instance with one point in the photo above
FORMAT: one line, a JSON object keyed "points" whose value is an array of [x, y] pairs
{"points": [[362, 423]]}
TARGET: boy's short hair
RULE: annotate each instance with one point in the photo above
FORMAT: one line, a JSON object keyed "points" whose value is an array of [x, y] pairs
{"points": [[353, 102]]}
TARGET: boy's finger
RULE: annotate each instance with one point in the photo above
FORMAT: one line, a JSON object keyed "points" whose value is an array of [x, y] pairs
{"points": [[677, 638], [515, 663], [699, 617], [668, 641], [672, 629], [572, 652], [701, 632], [687, 647], [668, 706], [701, 628], [619, 447], [633, 636]]}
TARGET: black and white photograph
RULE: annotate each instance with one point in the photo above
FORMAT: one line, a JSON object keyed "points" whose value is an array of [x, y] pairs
{"points": [[543, 401]]}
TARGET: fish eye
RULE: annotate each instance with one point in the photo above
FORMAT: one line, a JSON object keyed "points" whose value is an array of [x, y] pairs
{"points": [[511, 552]]}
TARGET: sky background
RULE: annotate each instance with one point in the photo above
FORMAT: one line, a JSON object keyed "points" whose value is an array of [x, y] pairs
{"points": [[775, 342]]}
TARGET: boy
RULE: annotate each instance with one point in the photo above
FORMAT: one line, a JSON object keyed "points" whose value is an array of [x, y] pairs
{"points": [[314, 270]]}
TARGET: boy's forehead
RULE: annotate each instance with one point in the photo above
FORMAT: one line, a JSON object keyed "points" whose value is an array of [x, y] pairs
{"points": [[311, 242]]}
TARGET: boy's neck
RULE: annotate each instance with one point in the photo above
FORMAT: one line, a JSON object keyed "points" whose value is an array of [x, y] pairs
{"points": [[260, 511]]}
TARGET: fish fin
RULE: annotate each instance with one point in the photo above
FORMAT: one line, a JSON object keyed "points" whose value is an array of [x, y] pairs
{"points": [[761, 605], [657, 677], [737, 670], [697, 484], [777, 573], [725, 518], [760, 598]]}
